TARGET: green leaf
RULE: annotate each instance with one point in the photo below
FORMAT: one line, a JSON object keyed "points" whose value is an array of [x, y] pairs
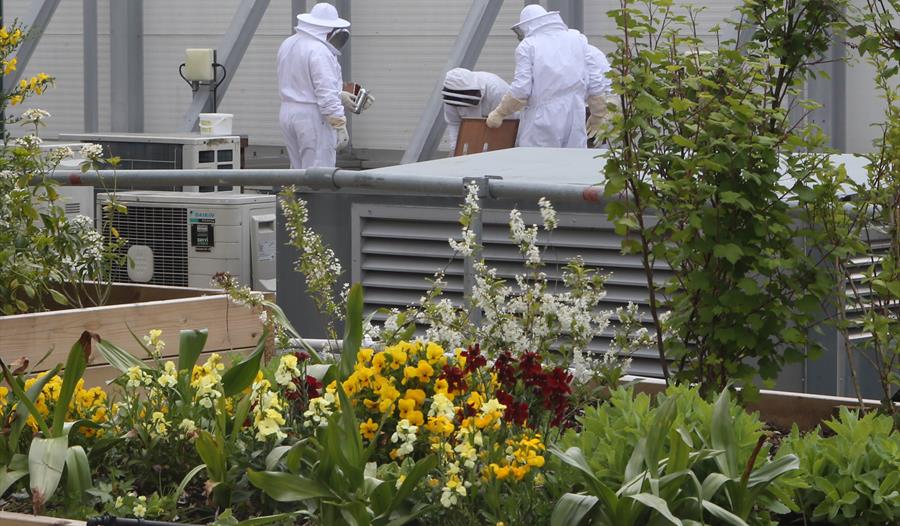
{"points": [[78, 475], [723, 436], [274, 456], [76, 363], [241, 375], [12, 472], [190, 345], [22, 397], [212, 455], [722, 514], [284, 487], [729, 251], [58, 297], [353, 331], [118, 357], [279, 518], [22, 410], [571, 509], [774, 469], [186, 480], [240, 416], [46, 460], [416, 474], [658, 504]]}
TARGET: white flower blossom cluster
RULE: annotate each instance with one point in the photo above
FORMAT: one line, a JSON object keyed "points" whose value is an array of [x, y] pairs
{"points": [[469, 245], [30, 141], [405, 436], [34, 116], [548, 214], [58, 154], [525, 238], [92, 152], [317, 262]]}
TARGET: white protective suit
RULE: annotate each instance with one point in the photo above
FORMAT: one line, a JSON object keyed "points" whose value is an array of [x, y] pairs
{"points": [[553, 77], [309, 79], [492, 89]]}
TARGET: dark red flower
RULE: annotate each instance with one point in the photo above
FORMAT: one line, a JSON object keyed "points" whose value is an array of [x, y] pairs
{"points": [[474, 358], [301, 356], [313, 387], [506, 373], [455, 377]]}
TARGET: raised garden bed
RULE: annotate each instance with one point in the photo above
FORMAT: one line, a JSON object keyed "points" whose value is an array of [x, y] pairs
{"points": [[133, 309]]}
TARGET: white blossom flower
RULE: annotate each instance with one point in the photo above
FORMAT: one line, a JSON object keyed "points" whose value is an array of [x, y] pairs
{"points": [[91, 151]]}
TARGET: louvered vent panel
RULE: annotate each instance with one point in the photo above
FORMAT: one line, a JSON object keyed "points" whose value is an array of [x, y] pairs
{"points": [[859, 296], [72, 208], [162, 229], [397, 249]]}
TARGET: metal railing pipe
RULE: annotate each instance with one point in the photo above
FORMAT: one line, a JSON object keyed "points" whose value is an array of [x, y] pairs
{"points": [[332, 179]]}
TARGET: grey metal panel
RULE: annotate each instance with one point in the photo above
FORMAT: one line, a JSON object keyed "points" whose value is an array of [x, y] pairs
{"points": [[231, 51], [464, 53], [36, 23], [91, 67], [830, 91], [572, 12], [126, 20]]}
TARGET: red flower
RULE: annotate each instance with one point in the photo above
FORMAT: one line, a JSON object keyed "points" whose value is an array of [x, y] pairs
{"points": [[455, 377], [506, 373], [313, 387], [474, 358]]}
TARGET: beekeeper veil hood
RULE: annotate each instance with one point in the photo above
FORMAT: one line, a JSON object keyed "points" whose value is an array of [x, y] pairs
{"points": [[323, 22], [534, 17], [461, 88]]}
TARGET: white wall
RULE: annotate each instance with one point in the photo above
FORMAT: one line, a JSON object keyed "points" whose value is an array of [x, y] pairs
{"points": [[399, 50]]}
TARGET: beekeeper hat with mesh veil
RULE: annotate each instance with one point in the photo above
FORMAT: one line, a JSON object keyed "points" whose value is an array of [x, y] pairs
{"points": [[532, 17], [461, 88], [323, 15]]}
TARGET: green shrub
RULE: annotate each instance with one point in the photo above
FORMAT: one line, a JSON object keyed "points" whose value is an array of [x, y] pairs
{"points": [[852, 477], [707, 459]]}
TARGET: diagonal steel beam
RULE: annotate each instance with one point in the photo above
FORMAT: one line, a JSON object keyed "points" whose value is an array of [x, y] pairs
{"points": [[230, 51], [463, 54], [40, 15]]}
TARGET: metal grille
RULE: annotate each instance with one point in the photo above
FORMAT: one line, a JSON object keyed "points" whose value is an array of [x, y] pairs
{"points": [[72, 208], [397, 249], [164, 230], [859, 295]]}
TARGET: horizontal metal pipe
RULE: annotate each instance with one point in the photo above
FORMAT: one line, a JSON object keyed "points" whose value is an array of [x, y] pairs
{"points": [[331, 179]]}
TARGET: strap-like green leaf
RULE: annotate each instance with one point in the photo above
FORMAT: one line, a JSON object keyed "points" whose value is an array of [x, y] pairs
{"points": [[571, 509], [76, 363], [190, 345], [241, 375], [285, 487]]}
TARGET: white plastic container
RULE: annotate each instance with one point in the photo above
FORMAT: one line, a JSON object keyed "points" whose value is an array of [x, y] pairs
{"points": [[216, 123]]}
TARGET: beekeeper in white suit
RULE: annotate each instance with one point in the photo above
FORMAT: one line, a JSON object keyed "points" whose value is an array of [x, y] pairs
{"points": [[312, 116], [469, 95], [551, 84]]}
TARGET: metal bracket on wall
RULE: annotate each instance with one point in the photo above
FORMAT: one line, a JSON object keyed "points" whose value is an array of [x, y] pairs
{"points": [[231, 49], [463, 54]]}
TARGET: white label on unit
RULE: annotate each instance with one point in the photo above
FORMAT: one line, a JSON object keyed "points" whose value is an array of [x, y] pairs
{"points": [[266, 250], [140, 263]]}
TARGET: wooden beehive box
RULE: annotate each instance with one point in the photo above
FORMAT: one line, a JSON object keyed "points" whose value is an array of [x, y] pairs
{"points": [[476, 137], [132, 309]]}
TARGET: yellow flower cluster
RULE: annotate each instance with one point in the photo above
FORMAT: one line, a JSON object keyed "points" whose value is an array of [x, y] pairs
{"points": [[86, 404], [36, 85], [10, 39], [521, 456], [206, 379]]}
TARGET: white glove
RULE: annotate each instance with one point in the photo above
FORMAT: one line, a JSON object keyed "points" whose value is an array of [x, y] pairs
{"points": [[349, 101], [599, 119], [508, 105], [342, 136]]}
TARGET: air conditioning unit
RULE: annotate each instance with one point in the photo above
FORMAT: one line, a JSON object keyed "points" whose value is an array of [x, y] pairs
{"points": [[75, 200], [149, 151], [184, 238]]}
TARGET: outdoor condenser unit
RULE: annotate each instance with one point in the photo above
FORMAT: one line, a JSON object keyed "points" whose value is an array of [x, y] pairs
{"points": [[184, 238], [146, 151]]}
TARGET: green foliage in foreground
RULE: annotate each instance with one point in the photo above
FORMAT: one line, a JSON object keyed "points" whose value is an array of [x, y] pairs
{"points": [[853, 476], [682, 460]]}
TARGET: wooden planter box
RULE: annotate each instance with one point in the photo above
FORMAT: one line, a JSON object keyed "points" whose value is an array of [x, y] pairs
{"points": [[15, 519], [782, 409], [132, 309]]}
